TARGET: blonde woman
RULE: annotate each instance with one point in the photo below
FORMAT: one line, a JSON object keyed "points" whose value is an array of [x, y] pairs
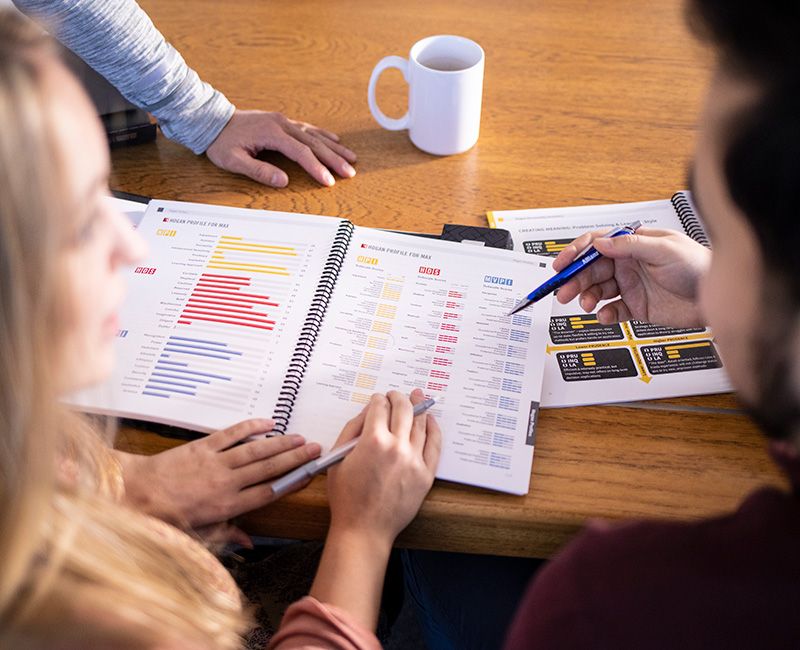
{"points": [[81, 565]]}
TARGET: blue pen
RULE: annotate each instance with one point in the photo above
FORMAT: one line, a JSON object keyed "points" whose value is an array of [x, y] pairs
{"points": [[583, 260]]}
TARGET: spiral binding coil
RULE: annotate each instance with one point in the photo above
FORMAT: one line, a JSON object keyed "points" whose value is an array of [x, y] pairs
{"points": [[691, 224], [311, 326]]}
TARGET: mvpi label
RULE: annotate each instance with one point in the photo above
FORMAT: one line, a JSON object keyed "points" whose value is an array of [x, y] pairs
{"points": [[493, 279]]}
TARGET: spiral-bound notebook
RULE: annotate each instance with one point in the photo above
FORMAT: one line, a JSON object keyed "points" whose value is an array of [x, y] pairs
{"points": [[591, 363], [248, 313]]}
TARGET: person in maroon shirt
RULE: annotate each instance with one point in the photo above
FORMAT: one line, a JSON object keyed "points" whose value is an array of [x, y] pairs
{"points": [[733, 581]]}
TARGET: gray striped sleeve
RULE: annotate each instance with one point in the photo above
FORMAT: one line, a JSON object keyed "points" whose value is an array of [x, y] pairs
{"points": [[118, 39]]}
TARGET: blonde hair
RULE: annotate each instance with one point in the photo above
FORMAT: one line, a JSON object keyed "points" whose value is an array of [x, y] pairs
{"points": [[77, 567]]}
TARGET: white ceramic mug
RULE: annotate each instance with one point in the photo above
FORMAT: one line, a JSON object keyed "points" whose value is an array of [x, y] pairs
{"points": [[445, 86]]}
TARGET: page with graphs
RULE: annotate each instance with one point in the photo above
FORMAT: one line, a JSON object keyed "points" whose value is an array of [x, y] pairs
{"points": [[588, 362], [212, 314], [419, 313]]}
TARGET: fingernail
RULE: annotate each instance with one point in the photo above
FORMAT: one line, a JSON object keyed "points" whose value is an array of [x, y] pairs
{"points": [[279, 179], [297, 440], [313, 449], [349, 171], [327, 178]]}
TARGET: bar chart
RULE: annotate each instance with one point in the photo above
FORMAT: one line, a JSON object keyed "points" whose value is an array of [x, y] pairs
{"points": [[220, 302], [221, 299]]}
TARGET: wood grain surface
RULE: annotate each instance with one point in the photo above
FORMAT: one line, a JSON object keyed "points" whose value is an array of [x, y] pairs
{"points": [[584, 102]]}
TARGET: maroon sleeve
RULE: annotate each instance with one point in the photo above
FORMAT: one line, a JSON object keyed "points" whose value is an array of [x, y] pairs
{"points": [[558, 609], [730, 581]]}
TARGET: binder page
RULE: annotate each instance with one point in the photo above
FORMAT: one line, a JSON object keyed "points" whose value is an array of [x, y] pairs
{"points": [[590, 363], [133, 210], [409, 312], [211, 316]]}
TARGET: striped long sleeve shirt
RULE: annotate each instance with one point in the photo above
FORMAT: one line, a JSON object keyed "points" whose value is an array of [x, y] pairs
{"points": [[118, 40]]}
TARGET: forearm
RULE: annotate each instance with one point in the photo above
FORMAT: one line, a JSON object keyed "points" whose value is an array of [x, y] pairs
{"points": [[118, 39], [351, 573]]}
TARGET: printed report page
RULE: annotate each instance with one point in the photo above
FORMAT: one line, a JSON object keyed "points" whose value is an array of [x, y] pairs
{"points": [[591, 363], [212, 314], [412, 313]]}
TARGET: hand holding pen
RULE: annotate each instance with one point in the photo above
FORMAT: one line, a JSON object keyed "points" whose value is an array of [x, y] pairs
{"points": [[584, 259], [294, 479], [653, 275], [379, 487], [374, 494]]}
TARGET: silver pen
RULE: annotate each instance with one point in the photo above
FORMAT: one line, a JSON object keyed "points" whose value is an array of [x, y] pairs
{"points": [[296, 477]]}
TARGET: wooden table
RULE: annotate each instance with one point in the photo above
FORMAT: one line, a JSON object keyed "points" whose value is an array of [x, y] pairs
{"points": [[583, 103]]}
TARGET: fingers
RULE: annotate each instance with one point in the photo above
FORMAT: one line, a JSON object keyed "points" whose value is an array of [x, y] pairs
{"points": [[228, 437], [316, 130], [277, 465], [598, 273], [343, 151], [571, 250], [594, 294], [241, 162], [418, 431], [256, 450], [330, 138], [643, 245], [324, 151], [614, 312], [402, 414], [433, 443], [347, 170], [377, 415], [249, 132], [426, 436], [256, 496], [305, 132], [640, 246], [304, 156]]}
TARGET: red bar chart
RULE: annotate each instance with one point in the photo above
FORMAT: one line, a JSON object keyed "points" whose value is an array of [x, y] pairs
{"points": [[225, 299]]}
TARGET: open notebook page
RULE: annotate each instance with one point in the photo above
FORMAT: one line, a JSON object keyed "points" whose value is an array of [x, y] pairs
{"points": [[591, 363], [212, 314], [409, 313]]}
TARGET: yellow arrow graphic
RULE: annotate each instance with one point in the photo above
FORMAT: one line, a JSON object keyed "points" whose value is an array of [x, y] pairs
{"points": [[587, 346], [634, 344], [626, 328], [640, 364], [665, 340]]}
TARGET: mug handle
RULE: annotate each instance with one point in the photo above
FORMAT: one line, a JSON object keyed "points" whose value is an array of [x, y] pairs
{"points": [[387, 122]]}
